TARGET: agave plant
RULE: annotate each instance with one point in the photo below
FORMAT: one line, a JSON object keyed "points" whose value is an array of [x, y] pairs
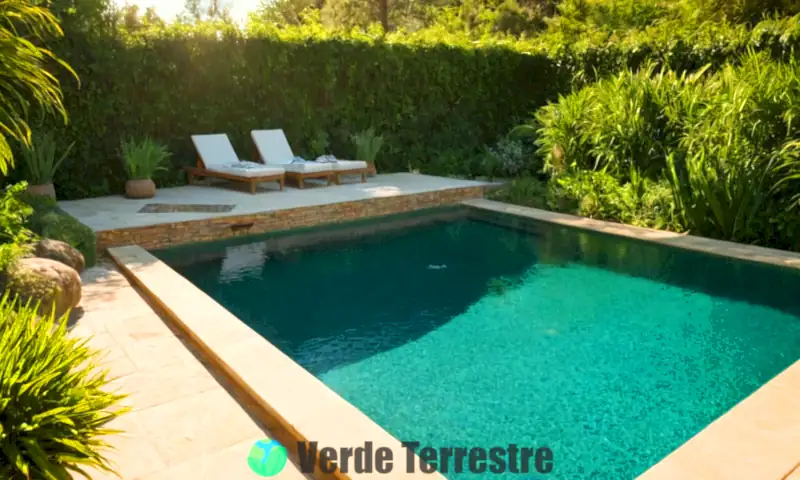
{"points": [[54, 407], [23, 27], [143, 159], [367, 145], [39, 158]]}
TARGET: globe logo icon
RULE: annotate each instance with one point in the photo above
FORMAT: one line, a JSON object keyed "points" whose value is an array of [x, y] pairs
{"points": [[267, 457]]}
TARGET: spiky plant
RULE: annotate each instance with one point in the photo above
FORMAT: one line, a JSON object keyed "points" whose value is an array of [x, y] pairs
{"points": [[368, 144], [25, 81], [143, 159], [40, 159], [54, 406]]}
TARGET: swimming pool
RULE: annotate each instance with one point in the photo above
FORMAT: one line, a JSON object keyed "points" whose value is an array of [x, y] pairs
{"points": [[460, 332]]}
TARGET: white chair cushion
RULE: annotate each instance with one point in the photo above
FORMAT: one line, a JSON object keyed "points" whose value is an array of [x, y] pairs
{"points": [[349, 164], [308, 167], [273, 146], [215, 150], [248, 169]]}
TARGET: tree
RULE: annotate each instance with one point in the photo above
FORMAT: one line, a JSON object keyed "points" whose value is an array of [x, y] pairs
{"points": [[351, 13], [192, 10], [286, 12], [195, 11], [25, 81], [150, 17], [130, 17]]}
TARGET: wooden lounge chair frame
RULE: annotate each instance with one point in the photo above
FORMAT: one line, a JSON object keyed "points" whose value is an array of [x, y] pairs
{"points": [[201, 171], [298, 177], [353, 171]]}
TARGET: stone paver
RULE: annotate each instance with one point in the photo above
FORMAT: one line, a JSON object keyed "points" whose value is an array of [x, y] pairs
{"points": [[184, 424], [117, 212]]}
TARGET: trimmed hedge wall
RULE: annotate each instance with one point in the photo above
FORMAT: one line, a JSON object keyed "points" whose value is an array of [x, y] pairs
{"points": [[424, 100], [436, 98]]}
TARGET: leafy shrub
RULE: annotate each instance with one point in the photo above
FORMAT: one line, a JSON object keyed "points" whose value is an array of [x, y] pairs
{"points": [[631, 120], [527, 191], [724, 143], [599, 195], [15, 237], [739, 161], [509, 158], [54, 406], [49, 221], [143, 159]]}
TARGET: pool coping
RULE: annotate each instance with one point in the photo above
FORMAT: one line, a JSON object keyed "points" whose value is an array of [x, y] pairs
{"points": [[756, 439], [300, 409]]}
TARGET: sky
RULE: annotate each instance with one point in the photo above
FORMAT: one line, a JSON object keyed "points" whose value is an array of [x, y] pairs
{"points": [[169, 9]]}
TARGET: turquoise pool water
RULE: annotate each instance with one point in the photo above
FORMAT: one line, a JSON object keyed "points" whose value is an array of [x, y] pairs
{"points": [[608, 351]]}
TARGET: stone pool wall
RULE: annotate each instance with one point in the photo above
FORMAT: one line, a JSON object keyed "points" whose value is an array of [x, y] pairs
{"points": [[170, 234]]}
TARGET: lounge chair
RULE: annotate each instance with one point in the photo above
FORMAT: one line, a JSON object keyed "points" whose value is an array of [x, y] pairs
{"points": [[217, 158], [272, 147]]}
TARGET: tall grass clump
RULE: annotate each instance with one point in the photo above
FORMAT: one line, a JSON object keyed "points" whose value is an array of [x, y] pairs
{"points": [[734, 175], [623, 122], [726, 145]]}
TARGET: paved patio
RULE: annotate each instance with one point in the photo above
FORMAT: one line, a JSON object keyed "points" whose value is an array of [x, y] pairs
{"points": [[117, 212], [184, 423]]}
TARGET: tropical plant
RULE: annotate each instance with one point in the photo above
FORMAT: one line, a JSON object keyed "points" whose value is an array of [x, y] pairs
{"points": [[368, 144], [54, 406], [15, 237], [143, 159], [24, 25], [39, 158]]}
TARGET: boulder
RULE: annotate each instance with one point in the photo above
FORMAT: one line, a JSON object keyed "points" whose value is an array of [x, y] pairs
{"points": [[60, 252], [51, 283]]}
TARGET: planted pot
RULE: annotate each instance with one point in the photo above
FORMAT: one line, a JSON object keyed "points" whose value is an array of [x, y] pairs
{"points": [[372, 171], [143, 188], [45, 190]]}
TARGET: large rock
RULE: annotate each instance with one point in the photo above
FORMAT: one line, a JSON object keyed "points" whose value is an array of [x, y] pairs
{"points": [[60, 252], [51, 283]]}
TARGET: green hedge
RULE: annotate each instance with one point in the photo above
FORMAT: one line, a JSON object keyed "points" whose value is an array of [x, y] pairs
{"points": [[437, 97], [425, 100]]}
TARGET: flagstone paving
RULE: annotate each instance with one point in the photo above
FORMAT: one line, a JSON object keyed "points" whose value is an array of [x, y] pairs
{"points": [[184, 424]]}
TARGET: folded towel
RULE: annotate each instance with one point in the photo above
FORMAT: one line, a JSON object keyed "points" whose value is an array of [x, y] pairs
{"points": [[299, 160], [326, 159], [245, 165]]}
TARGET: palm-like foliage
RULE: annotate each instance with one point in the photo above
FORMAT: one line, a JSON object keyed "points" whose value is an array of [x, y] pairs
{"points": [[39, 159], [367, 145], [24, 80], [143, 159], [53, 404]]}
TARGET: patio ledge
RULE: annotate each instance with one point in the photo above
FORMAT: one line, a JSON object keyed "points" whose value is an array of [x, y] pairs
{"points": [[739, 251]]}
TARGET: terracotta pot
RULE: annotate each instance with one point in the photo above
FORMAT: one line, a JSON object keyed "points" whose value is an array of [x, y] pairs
{"points": [[45, 190], [144, 188], [372, 171]]}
